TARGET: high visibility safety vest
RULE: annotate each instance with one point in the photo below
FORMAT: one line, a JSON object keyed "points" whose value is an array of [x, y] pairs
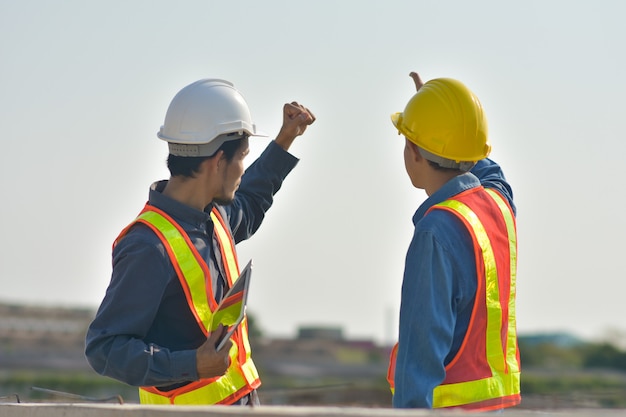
{"points": [[241, 378], [485, 373]]}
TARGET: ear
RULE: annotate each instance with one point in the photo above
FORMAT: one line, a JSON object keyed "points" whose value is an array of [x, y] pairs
{"points": [[219, 159], [213, 163], [414, 151]]}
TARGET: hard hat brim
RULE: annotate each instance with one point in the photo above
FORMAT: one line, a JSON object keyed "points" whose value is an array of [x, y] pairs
{"points": [[395, 119]]}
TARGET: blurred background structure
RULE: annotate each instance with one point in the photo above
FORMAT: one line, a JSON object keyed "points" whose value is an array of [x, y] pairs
{"points": [[41, 357]]}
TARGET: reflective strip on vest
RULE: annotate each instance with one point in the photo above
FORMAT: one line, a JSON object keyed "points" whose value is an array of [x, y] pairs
{"points": [[221, 391], [227, 246], [185, 263], [511, 354], [241, 376], [505, 379]]}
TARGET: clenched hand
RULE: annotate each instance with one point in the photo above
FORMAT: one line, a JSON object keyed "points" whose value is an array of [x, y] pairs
{"points": [[296, 118]]}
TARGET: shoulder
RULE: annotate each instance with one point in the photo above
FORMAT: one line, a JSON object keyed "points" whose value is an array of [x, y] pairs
{"points": [[439, 223], [491, 175], [139, 239], [141, 261], [445, 229]]}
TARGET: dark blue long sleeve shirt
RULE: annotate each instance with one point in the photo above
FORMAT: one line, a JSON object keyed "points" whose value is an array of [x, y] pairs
{"points": [[144, 333], [438, 289]]}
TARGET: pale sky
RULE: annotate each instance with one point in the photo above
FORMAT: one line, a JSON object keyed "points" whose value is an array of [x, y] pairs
{"points": [[84, 87]]}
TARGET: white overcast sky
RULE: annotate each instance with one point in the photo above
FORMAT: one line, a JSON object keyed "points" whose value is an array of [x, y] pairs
{"points": [[84, 86]]}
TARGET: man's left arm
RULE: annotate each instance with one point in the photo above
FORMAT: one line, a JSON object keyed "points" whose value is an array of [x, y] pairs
{"points": [[256, 192], [265, 176]]}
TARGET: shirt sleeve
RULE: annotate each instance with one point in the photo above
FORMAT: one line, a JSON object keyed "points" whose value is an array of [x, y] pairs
{"points": [[114, 345], [262, 179], [491, 175], [427, 321]]}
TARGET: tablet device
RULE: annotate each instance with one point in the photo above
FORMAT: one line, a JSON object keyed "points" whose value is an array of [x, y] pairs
{"points": [[232, 309]]}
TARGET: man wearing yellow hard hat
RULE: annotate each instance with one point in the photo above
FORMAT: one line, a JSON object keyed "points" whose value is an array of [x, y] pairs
{"points": [[457, 345]]}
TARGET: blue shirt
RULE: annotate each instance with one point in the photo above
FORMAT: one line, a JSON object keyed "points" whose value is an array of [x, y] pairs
{"points": [[438, 289], [144, 333]]}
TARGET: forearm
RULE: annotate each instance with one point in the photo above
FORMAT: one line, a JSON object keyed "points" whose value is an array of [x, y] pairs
{"points": [[284, 141], [136, 363]]}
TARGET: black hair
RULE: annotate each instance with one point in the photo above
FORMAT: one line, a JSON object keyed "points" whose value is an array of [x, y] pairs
{"points": [[188, 166]]}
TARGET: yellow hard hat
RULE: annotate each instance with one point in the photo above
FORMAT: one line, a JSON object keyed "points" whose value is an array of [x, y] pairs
{"points": [[445, 119]]}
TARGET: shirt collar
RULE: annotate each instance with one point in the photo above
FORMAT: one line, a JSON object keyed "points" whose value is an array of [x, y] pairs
{"points": [[453, 187], [179, 211]]}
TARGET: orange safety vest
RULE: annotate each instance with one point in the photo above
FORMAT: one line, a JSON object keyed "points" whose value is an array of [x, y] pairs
{"points": [[241, 377], [485, 373]]}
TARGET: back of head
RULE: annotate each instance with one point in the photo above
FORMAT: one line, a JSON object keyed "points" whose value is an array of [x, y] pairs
{"points": [[204, 115], [446, 121]]}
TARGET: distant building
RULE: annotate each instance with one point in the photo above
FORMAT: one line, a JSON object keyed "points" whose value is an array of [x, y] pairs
{"points": [[33, 337], [564, 340], [320, 333]]}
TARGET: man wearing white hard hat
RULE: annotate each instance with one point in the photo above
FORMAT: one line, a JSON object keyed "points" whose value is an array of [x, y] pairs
{"points": [[173, 264]]}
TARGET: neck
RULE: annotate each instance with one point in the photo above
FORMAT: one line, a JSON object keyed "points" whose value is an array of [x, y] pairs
{"points": [[188, 191], [438, 180]]}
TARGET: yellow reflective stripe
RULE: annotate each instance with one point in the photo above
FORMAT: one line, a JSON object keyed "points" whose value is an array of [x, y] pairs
{"points": [[248, 368], [244, 333], [450, 395], [495, 354], [235, 378], [216, 392], [228, 249], [512, 235], [184, 256], [463, 393], [146, 397], [249, 371]]}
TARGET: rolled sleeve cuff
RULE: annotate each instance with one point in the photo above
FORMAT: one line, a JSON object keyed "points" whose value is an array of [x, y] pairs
{"points": [[183, 365], [282, 161]]}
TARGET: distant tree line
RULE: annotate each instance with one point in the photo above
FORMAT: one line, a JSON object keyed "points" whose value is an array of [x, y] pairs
{"points": [[550, 355]]}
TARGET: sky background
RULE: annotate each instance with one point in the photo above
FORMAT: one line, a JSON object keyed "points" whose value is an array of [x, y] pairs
{"points": [[84, 87]]}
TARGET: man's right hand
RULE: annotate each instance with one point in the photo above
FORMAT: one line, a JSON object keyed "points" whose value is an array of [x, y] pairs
{"points": [[296, 118], [210, 362]]}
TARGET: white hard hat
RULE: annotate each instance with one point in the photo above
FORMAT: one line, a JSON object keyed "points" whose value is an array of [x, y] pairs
{"points": [[204, 115]]}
